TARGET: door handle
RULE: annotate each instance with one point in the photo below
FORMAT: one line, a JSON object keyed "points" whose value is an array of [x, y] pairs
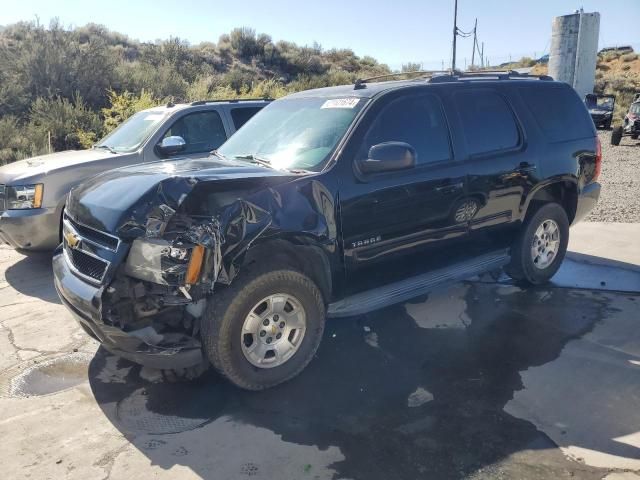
{"points": [[526, 167], [451, 187]]}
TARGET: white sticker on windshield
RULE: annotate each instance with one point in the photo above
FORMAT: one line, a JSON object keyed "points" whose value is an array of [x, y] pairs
{"points": [[153, 116], [341, 103]]}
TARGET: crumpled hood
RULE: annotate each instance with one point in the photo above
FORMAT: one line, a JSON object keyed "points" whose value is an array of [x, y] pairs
{"points": [[117, 199], [45, 164]]}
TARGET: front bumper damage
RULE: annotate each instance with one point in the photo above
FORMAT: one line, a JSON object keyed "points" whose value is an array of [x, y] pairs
{"points": [[144, 346], [146, 308]]}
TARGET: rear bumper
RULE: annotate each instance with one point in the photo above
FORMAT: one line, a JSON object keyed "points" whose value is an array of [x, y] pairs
{"points": [[32, 229], [84, 302], [587, 200]]}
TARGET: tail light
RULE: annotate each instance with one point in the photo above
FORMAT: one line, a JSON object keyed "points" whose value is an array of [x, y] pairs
{"points": [[598, 167]]}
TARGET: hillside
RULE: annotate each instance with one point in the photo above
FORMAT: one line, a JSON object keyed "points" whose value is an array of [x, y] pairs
{"points": [[70, 86]]}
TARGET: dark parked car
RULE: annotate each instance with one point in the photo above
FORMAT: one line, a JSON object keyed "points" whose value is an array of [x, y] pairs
{"points": [[328, 203], [630, 127], [601, 109]]}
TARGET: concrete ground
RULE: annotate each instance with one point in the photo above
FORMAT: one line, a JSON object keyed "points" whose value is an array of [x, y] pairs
{"points": [[480, 380]]}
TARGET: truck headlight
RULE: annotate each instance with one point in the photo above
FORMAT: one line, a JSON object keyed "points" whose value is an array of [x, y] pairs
{"points": [[21, 197], [160, 261]]}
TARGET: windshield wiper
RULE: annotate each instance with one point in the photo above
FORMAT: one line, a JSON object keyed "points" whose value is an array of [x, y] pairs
{"points": [[218, 154], [256, 159], [106, 147]]}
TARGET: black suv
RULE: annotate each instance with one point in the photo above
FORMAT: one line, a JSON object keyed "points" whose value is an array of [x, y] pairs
{"points": [[328, 203]]}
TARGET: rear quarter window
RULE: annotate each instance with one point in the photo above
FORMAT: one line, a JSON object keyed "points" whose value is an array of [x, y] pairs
{"points": [[559, 113], [488, 123], [242, 115]]}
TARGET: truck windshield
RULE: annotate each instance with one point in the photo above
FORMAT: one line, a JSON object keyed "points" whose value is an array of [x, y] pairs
{"points": [[130, 134], [296, 133]]}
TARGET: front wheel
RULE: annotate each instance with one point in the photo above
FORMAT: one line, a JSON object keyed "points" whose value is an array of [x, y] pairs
{"points": [[265, 328], [540, 247]]}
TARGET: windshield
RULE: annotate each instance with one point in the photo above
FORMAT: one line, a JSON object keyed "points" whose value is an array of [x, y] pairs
{"points": [[135, 130], [298, 133], [599, 103], [605, 103]]}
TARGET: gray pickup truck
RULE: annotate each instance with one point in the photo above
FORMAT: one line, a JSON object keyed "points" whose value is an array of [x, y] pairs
{"points": [[33, 191]]}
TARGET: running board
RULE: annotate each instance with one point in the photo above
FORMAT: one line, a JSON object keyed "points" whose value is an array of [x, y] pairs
{"points": [[408, 288]]}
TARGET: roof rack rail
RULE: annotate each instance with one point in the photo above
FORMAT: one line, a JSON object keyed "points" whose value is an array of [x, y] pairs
{"points": [[497, 74], [360, 82], [435, 76], [231, 100]]}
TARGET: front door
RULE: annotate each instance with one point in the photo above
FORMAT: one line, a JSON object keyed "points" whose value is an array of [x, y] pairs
{"points": [[202, 131], [393, 216]]}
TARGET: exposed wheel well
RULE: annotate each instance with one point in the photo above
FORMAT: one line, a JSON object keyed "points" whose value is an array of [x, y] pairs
{"points": [[307, 259], [564, 193]]}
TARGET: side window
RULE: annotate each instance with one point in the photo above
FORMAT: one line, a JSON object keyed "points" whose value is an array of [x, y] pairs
{"points": [[416, 120], [202, 131], [488, 124], [559, 112], [241, 115]]}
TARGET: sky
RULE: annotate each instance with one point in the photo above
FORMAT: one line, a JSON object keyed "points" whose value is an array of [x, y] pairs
{"points": [[393, 32]]}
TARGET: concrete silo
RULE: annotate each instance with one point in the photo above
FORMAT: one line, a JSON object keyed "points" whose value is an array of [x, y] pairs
{"points": [[574, 50]]}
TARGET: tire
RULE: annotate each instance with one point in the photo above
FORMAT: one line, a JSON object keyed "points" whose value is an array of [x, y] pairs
{"points": [[607, 125], [522, 267], [616, 136], [222, 327], [634, 136]]}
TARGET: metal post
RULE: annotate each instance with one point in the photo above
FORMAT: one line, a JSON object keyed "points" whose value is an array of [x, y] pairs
{"points": [[475, 41], [482, 55], [455, 34]]}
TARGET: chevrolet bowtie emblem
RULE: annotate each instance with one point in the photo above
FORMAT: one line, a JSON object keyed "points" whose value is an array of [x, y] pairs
{"points": [[72, 239]]}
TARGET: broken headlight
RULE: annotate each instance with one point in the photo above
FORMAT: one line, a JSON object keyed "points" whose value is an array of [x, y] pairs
{"points": [[163, 262]]}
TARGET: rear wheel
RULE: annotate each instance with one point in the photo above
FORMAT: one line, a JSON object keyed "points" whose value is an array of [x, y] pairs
{"points": [[616, 136], [265, 328], [540, 247], [634, 136]]}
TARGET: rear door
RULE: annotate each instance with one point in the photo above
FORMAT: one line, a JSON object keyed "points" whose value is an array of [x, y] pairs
{"points": [[394, 214], [500, 170]]}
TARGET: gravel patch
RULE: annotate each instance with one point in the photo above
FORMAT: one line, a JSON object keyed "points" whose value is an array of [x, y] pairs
{"points": [[620, 179]]}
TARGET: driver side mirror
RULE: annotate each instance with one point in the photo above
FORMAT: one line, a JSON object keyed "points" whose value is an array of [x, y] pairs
{"points": [[171, 145], [388, 157]]}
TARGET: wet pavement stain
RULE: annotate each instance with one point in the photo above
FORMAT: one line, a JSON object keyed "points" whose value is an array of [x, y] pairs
{"points": [[50, 376], [362, 400]]}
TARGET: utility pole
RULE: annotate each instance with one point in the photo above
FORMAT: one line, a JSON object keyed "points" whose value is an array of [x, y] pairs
{"points": [[455, 34], [475, 43], [482, 56]]}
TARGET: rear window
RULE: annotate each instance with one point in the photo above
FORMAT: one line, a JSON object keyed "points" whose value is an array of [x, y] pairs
{"points": [[487, 121], [559, 112], [241, 115]]}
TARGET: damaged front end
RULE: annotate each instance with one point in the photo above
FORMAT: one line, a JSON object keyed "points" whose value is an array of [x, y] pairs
{"points": [[148, 304]]}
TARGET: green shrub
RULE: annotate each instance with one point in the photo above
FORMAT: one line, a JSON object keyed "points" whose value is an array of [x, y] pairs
{"points": [[59, 120], [123, 105]]}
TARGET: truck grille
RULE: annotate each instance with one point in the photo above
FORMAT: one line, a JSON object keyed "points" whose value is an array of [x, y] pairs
{"points": [[94, 236], [83, 248], [87, 265]]}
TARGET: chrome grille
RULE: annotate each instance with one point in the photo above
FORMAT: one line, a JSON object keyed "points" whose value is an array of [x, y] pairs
{"points": [[94, 236], [83, 247]]}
